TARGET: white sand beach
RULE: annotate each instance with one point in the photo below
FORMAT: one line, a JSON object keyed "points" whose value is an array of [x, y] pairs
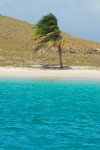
{"points": [[38, 73]]}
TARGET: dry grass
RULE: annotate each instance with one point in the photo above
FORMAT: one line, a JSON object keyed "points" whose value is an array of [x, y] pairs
{"points": [[15, 39]]}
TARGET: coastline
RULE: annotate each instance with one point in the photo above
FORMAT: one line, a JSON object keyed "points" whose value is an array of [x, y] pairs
{"points": [[38, 73]]}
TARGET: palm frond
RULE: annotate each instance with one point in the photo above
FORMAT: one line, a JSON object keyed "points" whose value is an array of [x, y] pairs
{"points": [[58, 42], [46, 25], [48, 36], [51, 42], [39, 47], [64, 43], [47, 18], [54, 32], [36, 38]]}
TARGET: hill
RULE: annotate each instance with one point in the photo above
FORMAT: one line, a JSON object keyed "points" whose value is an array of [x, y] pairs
{"points": [[15, 40]]}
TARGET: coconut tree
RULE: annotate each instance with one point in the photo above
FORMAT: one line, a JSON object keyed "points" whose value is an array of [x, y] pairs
{"points": [[48, 36]]}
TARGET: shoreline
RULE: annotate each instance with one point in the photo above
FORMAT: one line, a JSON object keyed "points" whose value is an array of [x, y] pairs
{"points": [[36, 73]]}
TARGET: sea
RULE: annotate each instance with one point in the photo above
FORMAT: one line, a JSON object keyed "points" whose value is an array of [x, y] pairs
{"points": [[49, 114]]}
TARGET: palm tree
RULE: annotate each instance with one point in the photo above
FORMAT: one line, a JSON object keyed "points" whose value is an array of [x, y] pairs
{"points": [[48, 35]]}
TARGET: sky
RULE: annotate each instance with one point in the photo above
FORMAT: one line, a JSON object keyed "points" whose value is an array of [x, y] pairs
{"points": [[79, 18]]}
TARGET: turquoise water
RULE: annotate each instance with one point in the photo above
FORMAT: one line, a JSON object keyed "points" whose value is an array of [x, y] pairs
{"points": [[49, 115]]}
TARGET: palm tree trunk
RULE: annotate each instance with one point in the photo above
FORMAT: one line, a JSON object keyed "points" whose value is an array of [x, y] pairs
{"points": [[61, 66], [60, 56]]}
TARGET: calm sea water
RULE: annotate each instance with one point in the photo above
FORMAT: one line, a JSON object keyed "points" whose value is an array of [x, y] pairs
{"points": [[49, 115]]}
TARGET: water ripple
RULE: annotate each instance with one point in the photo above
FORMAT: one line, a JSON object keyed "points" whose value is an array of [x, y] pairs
{"points": [[41, 115]]}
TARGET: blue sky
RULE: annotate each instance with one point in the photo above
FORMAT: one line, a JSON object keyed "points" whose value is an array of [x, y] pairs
{"points": [[80, 18]]}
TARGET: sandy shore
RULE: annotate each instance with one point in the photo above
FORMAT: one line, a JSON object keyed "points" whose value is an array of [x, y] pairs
{"points": [[18, 72]]}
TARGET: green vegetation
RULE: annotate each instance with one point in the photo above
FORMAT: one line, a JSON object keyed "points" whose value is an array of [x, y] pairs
{"points": [[15, 40], [47, 31]]}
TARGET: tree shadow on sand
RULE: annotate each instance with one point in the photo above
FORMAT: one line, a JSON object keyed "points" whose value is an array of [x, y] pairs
{"points": [[56, 67]]}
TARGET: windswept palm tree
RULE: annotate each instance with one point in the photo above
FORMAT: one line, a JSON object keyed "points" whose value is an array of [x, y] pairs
{"points": [[48, 35]]}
